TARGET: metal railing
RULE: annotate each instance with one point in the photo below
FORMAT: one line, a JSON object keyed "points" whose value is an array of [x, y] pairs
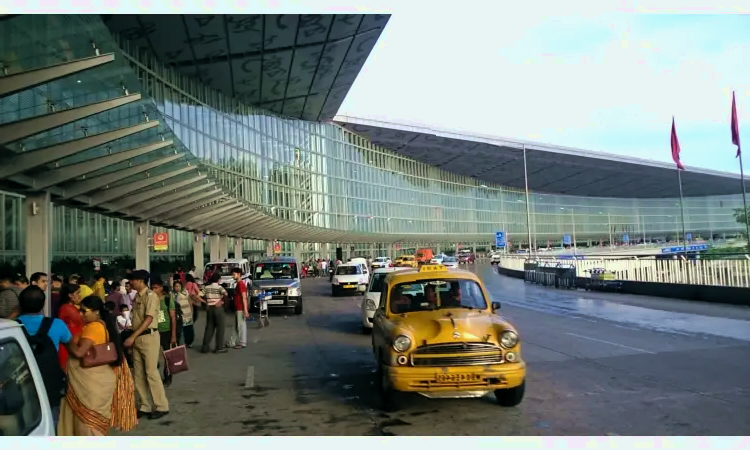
{"points": [[721, 272]]}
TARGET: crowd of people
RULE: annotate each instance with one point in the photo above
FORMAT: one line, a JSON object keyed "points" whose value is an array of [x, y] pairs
{"points": [[137, 317]]}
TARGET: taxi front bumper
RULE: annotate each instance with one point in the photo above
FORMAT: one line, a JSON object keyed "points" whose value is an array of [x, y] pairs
{"points": [[455, 381]]}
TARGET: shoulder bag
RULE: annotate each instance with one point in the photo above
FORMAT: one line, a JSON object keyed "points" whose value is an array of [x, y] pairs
{"points": [[100, 355]]}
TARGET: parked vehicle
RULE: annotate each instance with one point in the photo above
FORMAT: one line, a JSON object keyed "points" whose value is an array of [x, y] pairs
{"points": [[278, 278], [437, 333], [351, 277], [24, 407], [372, 296], [424, 255]]}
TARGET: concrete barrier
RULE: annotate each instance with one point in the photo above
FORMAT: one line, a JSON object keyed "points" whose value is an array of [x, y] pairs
{"points": [[693, 292]]}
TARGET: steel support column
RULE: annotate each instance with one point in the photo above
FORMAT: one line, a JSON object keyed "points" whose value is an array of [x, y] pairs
{"points": [[238, 247], [223, 248], [142, 251], [213, 247], [39, 237], [198, 253]]}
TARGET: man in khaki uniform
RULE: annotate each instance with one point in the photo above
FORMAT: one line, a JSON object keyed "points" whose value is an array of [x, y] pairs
{"points": [[146, 347]]}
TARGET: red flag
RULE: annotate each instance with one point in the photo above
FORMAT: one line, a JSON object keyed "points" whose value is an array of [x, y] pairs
{"points": [[735, 127], [676, 148]]}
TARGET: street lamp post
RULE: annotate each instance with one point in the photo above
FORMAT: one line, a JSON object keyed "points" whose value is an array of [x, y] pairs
{"points": [[609, 225], [573, 220]]}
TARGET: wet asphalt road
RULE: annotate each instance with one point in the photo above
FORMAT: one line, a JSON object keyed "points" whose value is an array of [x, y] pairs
{"points": [[599, 364]]}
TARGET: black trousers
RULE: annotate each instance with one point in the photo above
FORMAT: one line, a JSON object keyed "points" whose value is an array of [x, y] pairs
{"points": [[215, 318], [188, 332]]}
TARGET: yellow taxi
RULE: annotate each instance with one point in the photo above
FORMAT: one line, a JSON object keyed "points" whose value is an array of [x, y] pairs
{"points": [[436, 333], [406, 261]]}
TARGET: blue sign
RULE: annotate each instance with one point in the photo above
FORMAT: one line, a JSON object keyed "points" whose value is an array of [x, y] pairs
{"points": [[577, 257], [688, 236], [680, 249], [625, 238], [500, 239], [567, 240]]}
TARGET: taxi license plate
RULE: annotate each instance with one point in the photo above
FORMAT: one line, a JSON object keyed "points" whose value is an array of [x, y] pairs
{"points": [[350, 285], [457, 377], [276, 302]]}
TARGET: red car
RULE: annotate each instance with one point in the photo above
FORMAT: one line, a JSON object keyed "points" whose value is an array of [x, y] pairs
{"points": [[466, 258]]}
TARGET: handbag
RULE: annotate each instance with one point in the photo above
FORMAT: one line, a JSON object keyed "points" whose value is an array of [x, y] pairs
{"points": [[176, 360], [100, 355]]}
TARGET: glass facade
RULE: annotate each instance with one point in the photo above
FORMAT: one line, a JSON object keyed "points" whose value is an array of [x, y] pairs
{"points": [[314, 173]]}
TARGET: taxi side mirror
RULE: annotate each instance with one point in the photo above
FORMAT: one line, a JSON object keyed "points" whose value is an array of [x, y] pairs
{"points": [[495, 306]]}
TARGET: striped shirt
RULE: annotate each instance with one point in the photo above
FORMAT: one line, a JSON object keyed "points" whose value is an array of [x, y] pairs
{"points": [[213, 293]]}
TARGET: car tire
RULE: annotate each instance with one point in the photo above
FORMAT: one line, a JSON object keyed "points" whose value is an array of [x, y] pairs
{"points": [[298, 309], [366, 330], [386, 395], [334, 291], [509, 398]]}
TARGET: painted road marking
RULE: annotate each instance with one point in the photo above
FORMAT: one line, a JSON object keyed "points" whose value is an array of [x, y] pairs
{"points": [[250, 377], [611, 343]]}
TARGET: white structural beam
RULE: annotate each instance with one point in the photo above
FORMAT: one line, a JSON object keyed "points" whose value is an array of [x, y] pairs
{"points": [[20, 81], [223, 248], [161, 200], [14, 131], [21, 162], [87, 185], [65, 173], [126, 202], [115, 192], [176, 205], [198, 253]]}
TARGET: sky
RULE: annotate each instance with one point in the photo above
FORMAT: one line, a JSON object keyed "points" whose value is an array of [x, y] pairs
{"points": [[609, 82]]}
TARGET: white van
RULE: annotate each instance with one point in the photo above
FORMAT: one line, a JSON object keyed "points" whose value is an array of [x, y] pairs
{"points": [[24, 408], [225, 269], [350, 277]]}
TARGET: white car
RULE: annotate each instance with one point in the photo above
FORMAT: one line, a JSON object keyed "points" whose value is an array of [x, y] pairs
{"points": [[495, 258], [381, 262], [352, 277], [372, 296], [438, 259], [450, 262], [24, 407]]}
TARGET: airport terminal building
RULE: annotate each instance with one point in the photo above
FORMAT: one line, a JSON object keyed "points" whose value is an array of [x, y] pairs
{"points": [[221, 131]]}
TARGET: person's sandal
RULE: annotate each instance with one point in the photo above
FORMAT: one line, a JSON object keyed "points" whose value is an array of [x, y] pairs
{"points": [[238, 347], [223, 350]]}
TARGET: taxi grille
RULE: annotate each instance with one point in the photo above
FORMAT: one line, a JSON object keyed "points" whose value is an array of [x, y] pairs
{"points": [[456, 348], [476, 360]]}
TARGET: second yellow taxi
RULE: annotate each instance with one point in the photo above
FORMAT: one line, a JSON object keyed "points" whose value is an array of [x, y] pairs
{"points": [[436, 333]]}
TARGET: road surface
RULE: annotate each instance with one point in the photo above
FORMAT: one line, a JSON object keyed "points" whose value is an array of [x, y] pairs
{"points": [[599, 364]]}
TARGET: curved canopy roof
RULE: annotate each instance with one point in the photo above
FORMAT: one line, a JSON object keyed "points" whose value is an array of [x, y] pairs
{"points": [[551, 169], [117, 157], [297, 65]]}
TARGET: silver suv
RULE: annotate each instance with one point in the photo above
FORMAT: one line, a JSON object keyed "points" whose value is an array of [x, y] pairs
{"points": [[278, 277]]}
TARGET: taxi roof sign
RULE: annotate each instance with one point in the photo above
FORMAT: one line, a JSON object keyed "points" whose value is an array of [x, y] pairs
{"points": [[433, 268]]}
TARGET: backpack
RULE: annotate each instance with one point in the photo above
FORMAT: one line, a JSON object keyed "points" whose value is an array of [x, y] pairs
{"points": [[45, 354]]}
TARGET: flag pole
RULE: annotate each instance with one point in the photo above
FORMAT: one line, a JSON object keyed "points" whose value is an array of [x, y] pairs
{"points": [[736, 141], [744, 203], [528, 212], [682, 214]]}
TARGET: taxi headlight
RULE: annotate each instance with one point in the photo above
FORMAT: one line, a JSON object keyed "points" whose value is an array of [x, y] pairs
{"points": [[371, 306], [509, 339], [293, 292], [401, 343]]}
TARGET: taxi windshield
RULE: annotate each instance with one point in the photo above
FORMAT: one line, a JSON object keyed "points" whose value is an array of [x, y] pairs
{"points": [[381, 259], [275, 271], [348, 270], [429, 295], [449, 259]]}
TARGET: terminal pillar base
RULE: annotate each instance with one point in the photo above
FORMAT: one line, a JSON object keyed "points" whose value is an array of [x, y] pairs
{"points": [[213, 248], [198, 253], [142, 252], [39, 238]]}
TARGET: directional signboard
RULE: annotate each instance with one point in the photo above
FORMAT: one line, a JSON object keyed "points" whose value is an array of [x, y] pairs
{"points": [[688, 236], [500, 239], [567, 239], [625, 238]]}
